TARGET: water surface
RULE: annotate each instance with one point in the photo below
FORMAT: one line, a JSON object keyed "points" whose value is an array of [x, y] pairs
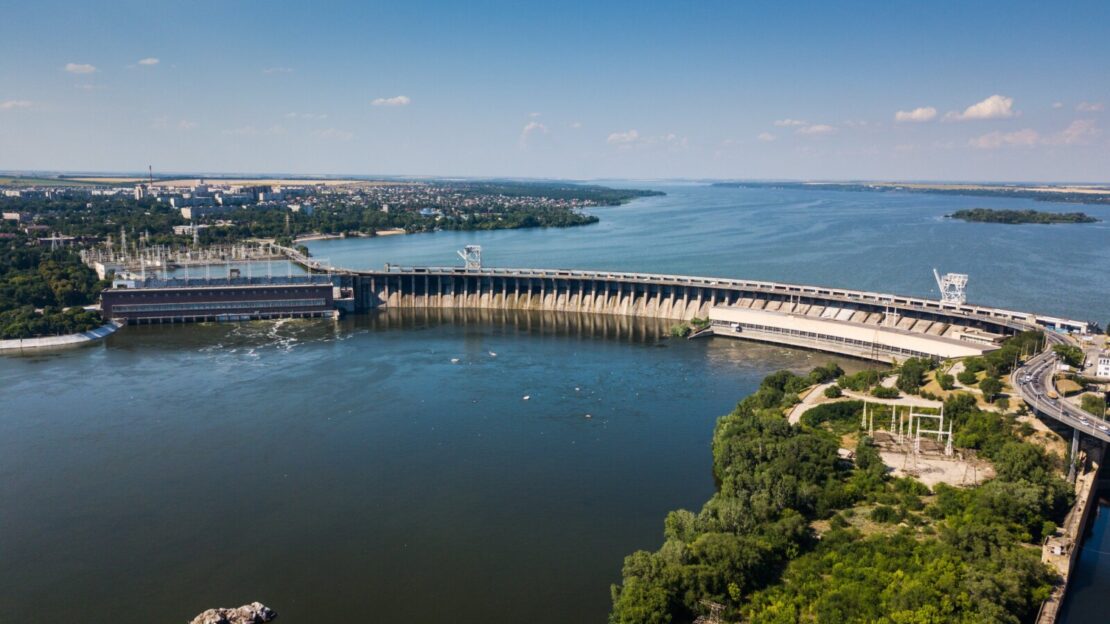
{"points": [[1085, 602], [387, 466]]}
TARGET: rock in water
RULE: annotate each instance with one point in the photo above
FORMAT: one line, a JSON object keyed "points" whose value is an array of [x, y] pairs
{"points": [[254, 613]]}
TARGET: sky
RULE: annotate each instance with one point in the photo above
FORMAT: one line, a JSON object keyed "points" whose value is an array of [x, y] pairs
{"points": [[987, 91]]}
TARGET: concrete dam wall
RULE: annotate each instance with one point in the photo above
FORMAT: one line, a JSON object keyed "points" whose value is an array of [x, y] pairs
{"points": [[494, 292], [862, 324]]}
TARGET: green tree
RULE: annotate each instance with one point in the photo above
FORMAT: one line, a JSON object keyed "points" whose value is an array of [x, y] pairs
{"points": [[991, 387], [1070, 354], [1094, 404], [945, 381]]}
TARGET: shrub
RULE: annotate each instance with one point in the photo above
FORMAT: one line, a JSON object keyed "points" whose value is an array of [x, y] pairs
{"points": [[884, 515], [860, 381], [833, 392], [883, 392], [945, 381], [1094, 404], [967, 377]]}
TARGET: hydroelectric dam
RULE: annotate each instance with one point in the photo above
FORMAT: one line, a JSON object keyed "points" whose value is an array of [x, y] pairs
{"points": [[862, 324]]}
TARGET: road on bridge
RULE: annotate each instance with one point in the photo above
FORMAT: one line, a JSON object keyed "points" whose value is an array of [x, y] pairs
{"points": [[1033, 380]]}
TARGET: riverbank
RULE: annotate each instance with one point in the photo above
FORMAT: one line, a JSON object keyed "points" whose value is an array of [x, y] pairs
{"points": [[800, 527], [1061, 551], [320, 237], [18, 345]]}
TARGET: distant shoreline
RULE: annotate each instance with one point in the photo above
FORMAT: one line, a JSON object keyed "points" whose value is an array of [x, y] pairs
{"points": [[1072, 193], [320, 237]]}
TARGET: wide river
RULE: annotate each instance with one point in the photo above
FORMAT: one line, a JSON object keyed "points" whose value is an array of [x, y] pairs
{"points": [[447, 467]]}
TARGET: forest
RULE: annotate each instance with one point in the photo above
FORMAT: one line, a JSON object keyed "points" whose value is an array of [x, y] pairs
{"points": [[794, 533], [41, 290]]}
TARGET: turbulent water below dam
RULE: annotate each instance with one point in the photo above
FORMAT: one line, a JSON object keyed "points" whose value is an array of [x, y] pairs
{"points": [[449, 465]]}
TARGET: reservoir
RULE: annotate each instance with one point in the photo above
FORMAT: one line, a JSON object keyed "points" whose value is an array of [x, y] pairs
{"points": [[438, 466]]}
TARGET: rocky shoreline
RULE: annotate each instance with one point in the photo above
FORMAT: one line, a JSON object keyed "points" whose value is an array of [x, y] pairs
{"points": [[253, 613]]}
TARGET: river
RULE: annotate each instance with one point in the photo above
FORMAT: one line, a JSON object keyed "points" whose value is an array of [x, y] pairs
{"points": [[456, 467]]}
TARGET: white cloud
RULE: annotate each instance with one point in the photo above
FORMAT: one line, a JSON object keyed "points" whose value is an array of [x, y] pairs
{"points": [[1078, 132], [766, 137], [623, 138], [185, 124], [920, 114], [1057, 105], [150, 60], [278, 70], [1090, 107], [312, 116], [398, 100], [534, 115], [633, 138], [815, 130], [252, 131], [575, 124], [789, 123], [994, 140], [80, 68], [671, 140], [333, 134], [532, 127], [994, 107], [14, 104]]}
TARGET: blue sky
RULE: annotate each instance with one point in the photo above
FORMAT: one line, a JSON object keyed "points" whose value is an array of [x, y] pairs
{"points": [[988, 90]]}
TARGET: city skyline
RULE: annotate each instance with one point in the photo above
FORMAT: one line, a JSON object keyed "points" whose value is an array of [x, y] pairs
{"points": [[945, 92]]}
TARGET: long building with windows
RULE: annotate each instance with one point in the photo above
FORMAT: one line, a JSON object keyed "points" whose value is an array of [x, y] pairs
{"points": [[225, 299]]}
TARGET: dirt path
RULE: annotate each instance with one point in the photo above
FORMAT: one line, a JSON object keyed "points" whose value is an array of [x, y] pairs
{"points": [[808, 401]]}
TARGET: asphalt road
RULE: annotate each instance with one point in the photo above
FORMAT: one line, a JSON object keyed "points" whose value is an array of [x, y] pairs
{"points": [[1032, 381]]}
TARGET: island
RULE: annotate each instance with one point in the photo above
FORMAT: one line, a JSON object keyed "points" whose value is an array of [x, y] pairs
{"points": [[991, 215]]}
